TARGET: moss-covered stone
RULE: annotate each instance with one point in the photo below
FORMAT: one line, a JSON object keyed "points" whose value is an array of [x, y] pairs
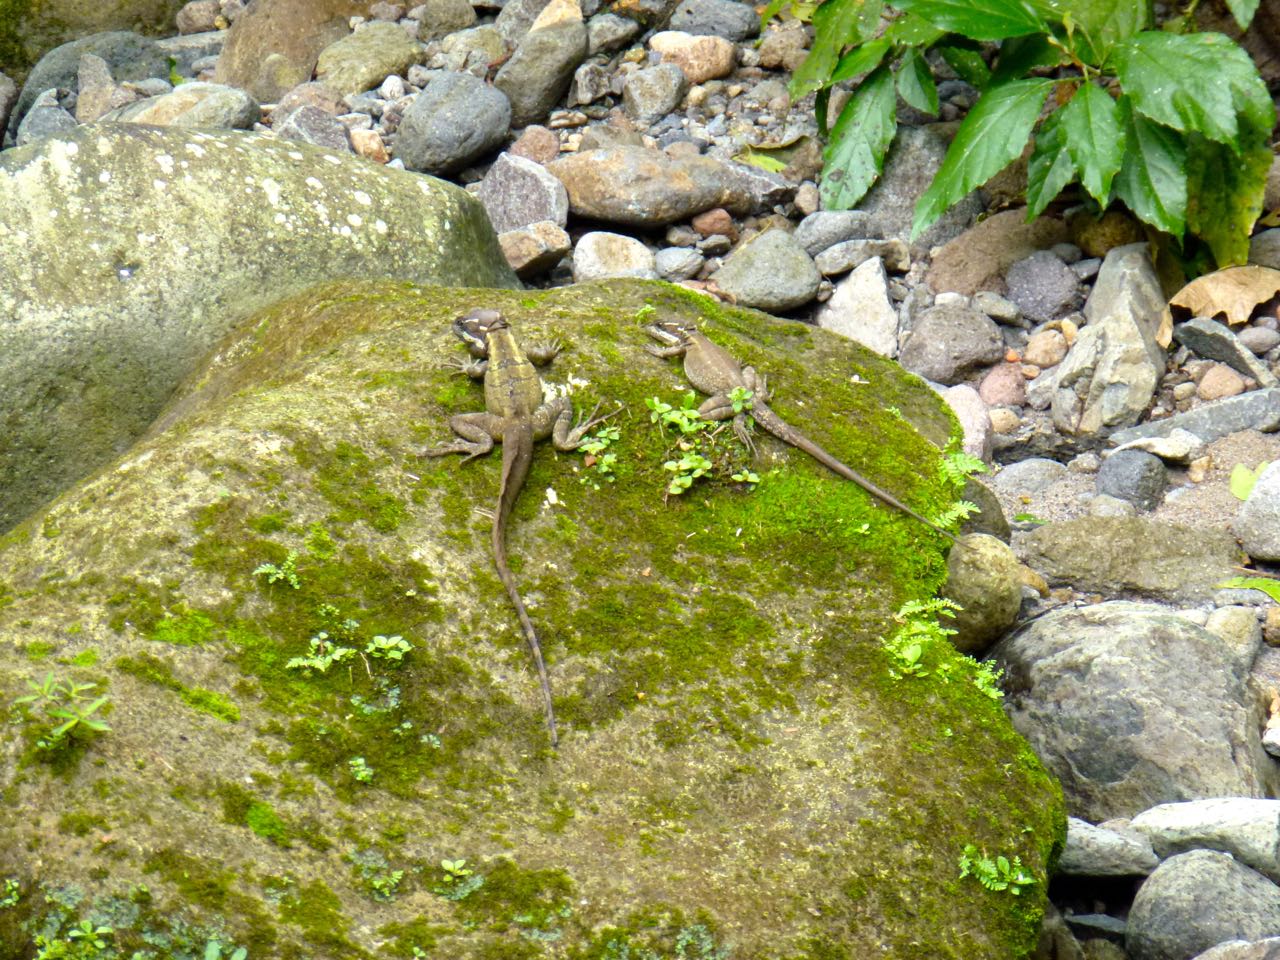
{"points": [[740, 774]]}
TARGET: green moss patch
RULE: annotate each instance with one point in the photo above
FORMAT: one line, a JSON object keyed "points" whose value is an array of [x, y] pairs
{"points": [[152, 670]]}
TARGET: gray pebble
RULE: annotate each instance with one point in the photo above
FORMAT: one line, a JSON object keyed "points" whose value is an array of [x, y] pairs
{"points": [[678, 263], [1043, 287], [1135, 476]]}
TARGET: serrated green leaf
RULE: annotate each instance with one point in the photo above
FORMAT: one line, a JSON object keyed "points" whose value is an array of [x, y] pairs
{"points": [[1270, 587], [915, 83], [1243, 11], [1098, 25], [967, 62], [979, 19], [1050, 167], [1225, 191], [991, 136], [911, 30], [1022, 54], [837, 24], [1195, 82], [1094, 138], [855, 154], [860, 60], [1152, 181]]}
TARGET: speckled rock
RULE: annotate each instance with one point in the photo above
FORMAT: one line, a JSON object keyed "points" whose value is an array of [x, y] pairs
{"points": [[825, 228], [1132, 705], [203, 105], [536, 248], [246, 218], [273, 47], [1195, 901], [645, 188], [438, 18], [540, 69], [364, 59], [983, 577], [517, 192], [130, 57], [313, 125], [8, 97], [723, 18], [1043, 287], [1134, 475], [678, 263], [45, 119], [700, 58], [1004, 386], [652, 93], [1096, 851], [601, 256], [770, 272], [1258, 523], [454, 121], [198, 16], [950, 341], [860, 309]]}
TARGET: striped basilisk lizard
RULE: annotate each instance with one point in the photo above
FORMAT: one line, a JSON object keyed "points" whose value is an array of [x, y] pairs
{"points": [[515, 415], [714, 371]]}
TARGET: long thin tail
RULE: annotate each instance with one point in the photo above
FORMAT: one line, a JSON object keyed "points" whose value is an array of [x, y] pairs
{"points": [[517, 454], [784, 431]]}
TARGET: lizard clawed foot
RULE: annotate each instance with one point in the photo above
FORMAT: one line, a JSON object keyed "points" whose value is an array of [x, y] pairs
{"points": [[543, 353], [585, 424], [472, 368], [472, 450]]}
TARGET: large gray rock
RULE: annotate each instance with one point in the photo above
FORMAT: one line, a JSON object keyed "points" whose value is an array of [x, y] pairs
{"points": [[1131, 706], [770, 272], [1133, 555], [1043, 287], [721, 18], [1112, 371], [130, 57], [455, 121], [46, 118], [31, 30], [706, 722], [541, 68], [130, 250], [1217, 341], [1195, 901], [1268, 949], [950, 341], [825, 228], [646, 188], [1248, 829]]}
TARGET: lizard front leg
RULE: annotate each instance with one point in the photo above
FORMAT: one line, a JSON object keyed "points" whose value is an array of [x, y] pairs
{"points": [[719, 408], [477, 431], [541, 354], [553, 419]]}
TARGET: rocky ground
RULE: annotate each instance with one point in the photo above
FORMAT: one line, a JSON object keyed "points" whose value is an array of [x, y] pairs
{"points": [[640, 140]]}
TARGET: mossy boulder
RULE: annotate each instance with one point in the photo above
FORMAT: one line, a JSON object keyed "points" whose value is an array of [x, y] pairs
{"points": [[129, 250], [740, 774]]}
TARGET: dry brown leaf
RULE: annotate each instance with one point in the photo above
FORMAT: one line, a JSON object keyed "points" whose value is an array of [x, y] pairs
{"points": [[1235, 291]]}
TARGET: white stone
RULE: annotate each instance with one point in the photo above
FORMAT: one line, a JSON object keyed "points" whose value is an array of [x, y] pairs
{"points": [[860, 309]]}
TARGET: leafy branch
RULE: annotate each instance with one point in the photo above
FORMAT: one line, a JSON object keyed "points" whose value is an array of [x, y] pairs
{"points": [[1176, 126]]}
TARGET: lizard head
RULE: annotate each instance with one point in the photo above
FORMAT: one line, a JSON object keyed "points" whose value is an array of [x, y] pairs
{"points": [[672, 331], [472, 327]]}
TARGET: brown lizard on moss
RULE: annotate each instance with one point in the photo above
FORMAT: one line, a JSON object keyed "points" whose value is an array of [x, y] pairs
{"points": [[515, 415], [713, 370]]}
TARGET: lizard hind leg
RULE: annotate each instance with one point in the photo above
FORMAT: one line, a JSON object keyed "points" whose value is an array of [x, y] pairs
{"points": [[476, 433], [540, 354]]}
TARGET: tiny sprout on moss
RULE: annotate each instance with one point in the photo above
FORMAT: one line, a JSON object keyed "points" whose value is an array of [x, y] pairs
{"points": [[287, 571], [360, 770]]}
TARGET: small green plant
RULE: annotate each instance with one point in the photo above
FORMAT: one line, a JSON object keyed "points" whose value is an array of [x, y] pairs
{"points": [[324, 654], [1174, 125], [360, 770], [919, 631], [598, 458], [1028, 518], [956, 467], [12, 893], [996, 874], [384, 885], [698, 450], [1243, 479], [388, 648], [689, 467], [459, 881], [645, 312], [175, 78], [986, 677], [69, 707], [287, 571], [213, 951]]}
